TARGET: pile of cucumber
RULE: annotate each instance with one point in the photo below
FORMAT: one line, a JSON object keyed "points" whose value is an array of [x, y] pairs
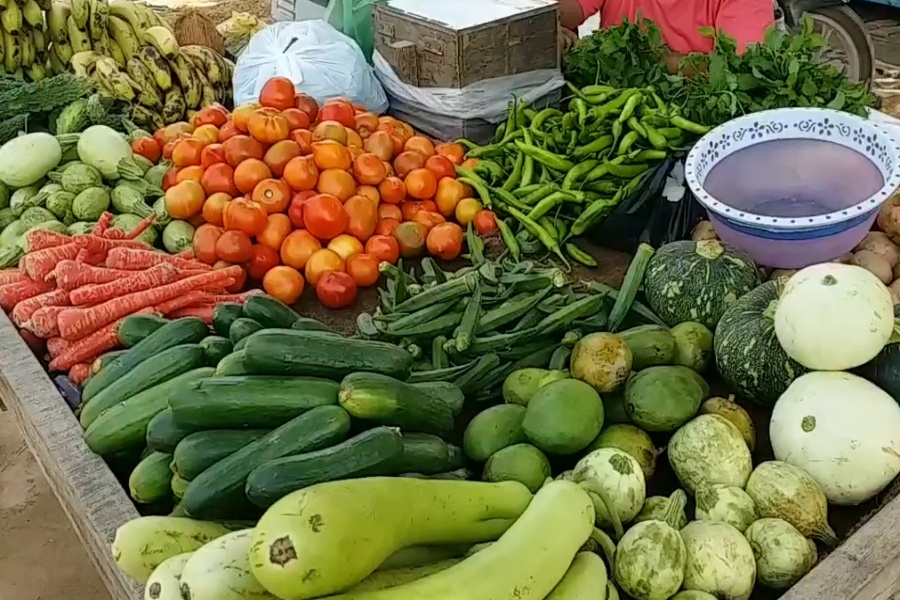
{"points": [[229, 420]]}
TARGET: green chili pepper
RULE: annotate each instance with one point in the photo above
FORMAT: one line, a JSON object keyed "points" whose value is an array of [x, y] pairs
{"points": [[542, 116], [524, 190], [627, 142], [545, 157], [509, 240], [475, 251], [655, 120], [689, 126], [513, 180], [634, 184], [580, 255], [635, 125], [599, 144], [562, 228], [480, 187], [656, 139], [660, 105], [490, 168], [617, 131], [541, 191], [613, 105], [511, 117], [626, 171], [529, 113], [577, 172], [547, 204], [649, 156], [540, 233], [630, 107], [549, 226], [498, 135], [467, 144], [581, 110], [670, 133], [593, 213], [521, 120], [595, 89], [508, 198], [597, 99], [602, 187], [528, 164]]}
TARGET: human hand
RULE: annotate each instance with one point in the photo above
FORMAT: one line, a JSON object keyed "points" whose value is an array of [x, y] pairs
{"points": [[567, 38]]}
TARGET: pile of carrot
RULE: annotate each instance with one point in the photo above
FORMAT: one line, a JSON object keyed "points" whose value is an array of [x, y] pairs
{"points": [[73, 291]]}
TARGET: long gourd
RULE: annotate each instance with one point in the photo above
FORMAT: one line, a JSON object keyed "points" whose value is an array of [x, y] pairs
{"points": [[165, 581], [220, 571], [526, 563], [586, 579], [329, 531]]}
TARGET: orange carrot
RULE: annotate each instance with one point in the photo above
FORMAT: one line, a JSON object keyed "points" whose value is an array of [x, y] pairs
{"points": [[56, 346], [190, 299], [141, 227], [204, 311], [11, 276], [71, 275], [76, 323], [139, 281], [24, 309], [132, 259], [91, 346], [41, 239], [187, 254], [44, 322], [38, 265], [13, 293], [79, 373], [95, 244], [103, 224]]}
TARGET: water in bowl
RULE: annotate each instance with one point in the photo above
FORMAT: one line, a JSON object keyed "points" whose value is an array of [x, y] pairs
{"points": [[793, 178]]}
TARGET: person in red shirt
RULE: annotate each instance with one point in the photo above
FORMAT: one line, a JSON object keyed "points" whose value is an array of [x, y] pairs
{"points": [[679, 20]]}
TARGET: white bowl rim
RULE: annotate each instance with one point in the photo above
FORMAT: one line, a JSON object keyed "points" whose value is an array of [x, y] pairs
{"points": [[728, 213]]}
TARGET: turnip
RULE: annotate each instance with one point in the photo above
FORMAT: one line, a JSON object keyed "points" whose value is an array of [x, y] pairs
{"points": [[655, 508], [783, 491], [783, 555], [725, 503], [602, 360], [615, 483], [707, 450], [719, 560]]}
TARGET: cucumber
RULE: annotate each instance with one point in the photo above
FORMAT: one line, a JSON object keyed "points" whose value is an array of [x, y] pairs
{"points": [[215, 348], [150, 481], [105, 359], [188, 330], [289, 352], [241, 343], [445, 392], [125, 425], [307, 324], [218, 492], [241, 328], [366, 454], [426, 454], [133, 329], [201, 450], [163, 435], [155, 370], [224, 315], [269, 312], [220, 570], [233, 364], [249, 401], [388, 401], [165, 581], [178, 486]]}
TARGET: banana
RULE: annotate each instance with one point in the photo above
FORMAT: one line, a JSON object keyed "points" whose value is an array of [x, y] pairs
{"points": [[32, 13], [97, 19], [149, 95], [173, 107], [3, 34], [39, 39], [152, 17], [81, 12], [124, 35], [78, 37], [45, 4], [158, 66], [56, 23], [57, 65], [208, 94], [147, 118], [36, 72], [82, 63], [201, 55], [128, 11], [11, 18], [163, 40], [107, 72], [27, 44], [115, 52], [64, 52], [190, 85], [12, 52], [102, 45]]}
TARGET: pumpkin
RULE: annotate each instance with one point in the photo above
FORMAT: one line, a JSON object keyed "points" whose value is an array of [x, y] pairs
{"points": [[697, 281], [748, 355], [884, 369]]}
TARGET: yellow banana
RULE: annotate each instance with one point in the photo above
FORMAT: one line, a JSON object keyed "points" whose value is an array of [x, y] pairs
{"points": [[57, 65], [82, 63], [27, 44], [11, 18], [36, 72], [173, 108], [39, 39], [81, 12], [78, 37], [145, 117], [3, 34], [32, 13], [163, 40], [115, 52], [44, 4], [152, 18], [102, 45], [158, 66], [64, 52], [190, 86], [201, 55], [124, 35], [108, 73], [128, 11], [56, 22], [208, 93], [97, 18], [12, 52]]}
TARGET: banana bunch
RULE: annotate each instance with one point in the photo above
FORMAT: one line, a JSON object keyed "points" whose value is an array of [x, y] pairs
{"points": [[23, 39]]}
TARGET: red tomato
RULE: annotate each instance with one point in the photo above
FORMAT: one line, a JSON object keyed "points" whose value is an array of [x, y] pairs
{"points": [[336, 289], [228, 131], [363, 268], [277, 92], [485, 222], [383, 247], [296, 118], [219, 178], [295, 210], [169, 179], [211, 115], [148, 148], [262, 258], [268, 128], [234, 246], [204, 243], [212, 154], [339, 111], [307, 104], [324, 216], [246, 216]]}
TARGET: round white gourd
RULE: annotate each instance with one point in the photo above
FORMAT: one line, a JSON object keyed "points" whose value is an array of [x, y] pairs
{"points": [[833, 317], [842, 430], [26, 159]]}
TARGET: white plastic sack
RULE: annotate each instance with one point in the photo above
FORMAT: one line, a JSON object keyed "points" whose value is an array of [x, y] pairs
{"points": [[487, 99], [320, 60]]}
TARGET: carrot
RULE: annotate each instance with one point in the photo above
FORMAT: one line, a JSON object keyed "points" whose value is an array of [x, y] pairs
{"points": [[76, 323], [141, 227], [132, 259], [239, 298], [56, 346], [13, 293], [92, 345], [204, 311], [38, 265], [139, 281], [44, 322], [103, 224], [79, 373], [187, 254], [11, 276], [190, 299], [24, 309], [41, 239], [71, 275], [95, 244]]}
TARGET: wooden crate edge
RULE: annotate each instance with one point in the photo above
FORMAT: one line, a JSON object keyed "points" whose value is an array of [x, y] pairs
{"points": [[90, 495]]}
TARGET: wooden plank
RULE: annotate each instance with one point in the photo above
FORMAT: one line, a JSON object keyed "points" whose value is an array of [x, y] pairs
{"points": [[91, 497]]}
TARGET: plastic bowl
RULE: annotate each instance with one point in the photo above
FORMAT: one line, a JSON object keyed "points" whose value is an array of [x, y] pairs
{"points": [[796, 186]]}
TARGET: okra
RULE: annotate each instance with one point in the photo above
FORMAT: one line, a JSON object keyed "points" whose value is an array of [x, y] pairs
{"points": [[463, 338], [365, 324], [571, 338], [445, 374], [530, 320], [414, 350], [630, 285], [559, 360], [537, 359], [493, 378], [455, 288], [440, 325], [490, 343], [482, 366], [640, 308], [418, 316], [432, 273], [510, 311], [524, 350], [439, 358], [594, 323], [565, 315], [475, 251], [529, 282]]}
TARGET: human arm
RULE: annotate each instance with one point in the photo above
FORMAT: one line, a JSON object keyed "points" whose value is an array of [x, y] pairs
{"points": [[572, 13], [745, 20]]}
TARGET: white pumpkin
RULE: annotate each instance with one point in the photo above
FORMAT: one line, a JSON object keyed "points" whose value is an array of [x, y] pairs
{"points": [[833, 317], [619, 477], [842, 430]]}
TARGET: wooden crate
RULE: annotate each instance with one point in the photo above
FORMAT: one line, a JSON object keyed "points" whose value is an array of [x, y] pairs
{"points": [[428, 49], [865, 567]]}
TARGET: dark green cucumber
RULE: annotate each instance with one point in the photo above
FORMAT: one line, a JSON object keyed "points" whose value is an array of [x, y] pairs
{"points": [[125, 425], [105, 359], [153, 371], [150, 482], [426, 454], [188, 330], [135, 328], [269, 312], [201, 450], [389, 401], [233, 364], [443, 391], [224, 315], [289, 352], [163, 435], [215, 348], [241, 343], [249, 401], [364, 455], [307, 324], [218, 492], [241, 328]]}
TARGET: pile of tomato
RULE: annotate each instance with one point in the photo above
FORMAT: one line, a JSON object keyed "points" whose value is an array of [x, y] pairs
{"points": [[307, 195]]}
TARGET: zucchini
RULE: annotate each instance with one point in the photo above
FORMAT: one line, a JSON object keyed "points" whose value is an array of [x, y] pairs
{"points": [[178, 486], [366, 454], [388, 401], [150, 481], [188, 330], [142, 544], [241, 343], [289, 352], [241, 328], [163, 435], [153, 371], [426, 454], [444, 392], [125, 425], [134, 328], [409, 511], [215, 348], [165, 581], [224, 315], [307, 324], [105, 359], [249, 401], [201, 450], [220, 570], [233, 364], [218, 492], [269, 312]]}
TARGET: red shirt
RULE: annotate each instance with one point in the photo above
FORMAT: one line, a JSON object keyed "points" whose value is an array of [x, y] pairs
{"points": [[679, 20]]}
